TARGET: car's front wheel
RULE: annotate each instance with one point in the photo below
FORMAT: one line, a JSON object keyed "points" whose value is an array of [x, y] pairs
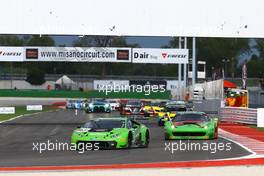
{"points": [[216, 133], [147, 137], [160, 122], [129, 140]]}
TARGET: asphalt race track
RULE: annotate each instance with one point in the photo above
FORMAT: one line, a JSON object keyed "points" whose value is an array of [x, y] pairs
{"points": [[17, 138]]}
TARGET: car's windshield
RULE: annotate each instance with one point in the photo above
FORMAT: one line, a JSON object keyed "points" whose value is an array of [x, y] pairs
{"points": [[175, 108], [99, 103], [155, 104], [176, 102], [105, 124], [191, 117], [134, 103]]}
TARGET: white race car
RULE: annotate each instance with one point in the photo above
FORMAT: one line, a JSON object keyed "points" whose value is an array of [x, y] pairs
{"points": [[115, 105]]}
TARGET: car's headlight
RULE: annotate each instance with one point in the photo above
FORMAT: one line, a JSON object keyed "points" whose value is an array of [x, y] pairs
{"points": [[90, 105], [172, 126], [205, 127]]}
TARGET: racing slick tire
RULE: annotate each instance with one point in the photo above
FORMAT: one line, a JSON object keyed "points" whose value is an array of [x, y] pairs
{"points": [[144, 144], [216, 133], [129, 140]]}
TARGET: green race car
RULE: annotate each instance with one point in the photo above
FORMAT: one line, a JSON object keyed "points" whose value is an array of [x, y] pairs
{"points": [[111, 133], [191, 125], [98, 106]]}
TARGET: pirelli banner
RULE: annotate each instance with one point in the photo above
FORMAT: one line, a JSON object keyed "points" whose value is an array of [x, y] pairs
{"points": [[94, 54]]}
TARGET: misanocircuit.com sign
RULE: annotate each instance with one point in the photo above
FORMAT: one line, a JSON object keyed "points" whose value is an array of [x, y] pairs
{"points": [[11, 54], [78, 54], [162, 56], [94, 54]]}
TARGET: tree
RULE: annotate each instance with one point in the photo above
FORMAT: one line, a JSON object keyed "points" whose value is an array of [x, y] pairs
{"points": [[259, 60], [37, 40], [105, 41], [35, 76], [255, 66], [260, 47], [36, 70], [10, 40], [214, 50]]}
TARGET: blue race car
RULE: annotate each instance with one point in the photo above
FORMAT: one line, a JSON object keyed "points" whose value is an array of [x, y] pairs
{"points": [[75, 104]]}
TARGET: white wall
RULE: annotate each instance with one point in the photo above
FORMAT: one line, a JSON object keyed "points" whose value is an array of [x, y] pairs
{"points": [[211, 89], [218, 18]]}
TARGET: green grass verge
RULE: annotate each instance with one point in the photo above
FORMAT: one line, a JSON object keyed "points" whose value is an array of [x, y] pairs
{"points": [[21, 110], [79, 94], [258, 128]]}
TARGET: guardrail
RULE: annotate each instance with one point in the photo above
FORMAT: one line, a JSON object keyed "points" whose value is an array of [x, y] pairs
{"points": [[243, 115]]}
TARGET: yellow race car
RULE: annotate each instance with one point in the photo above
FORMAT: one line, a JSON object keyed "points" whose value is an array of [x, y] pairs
{"points": [[170, 112], [165, 116], [152, 109]]}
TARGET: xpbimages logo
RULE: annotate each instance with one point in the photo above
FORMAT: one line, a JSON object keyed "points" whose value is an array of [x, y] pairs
{"points": [[50, 146], [211, 147], [146, 89]]}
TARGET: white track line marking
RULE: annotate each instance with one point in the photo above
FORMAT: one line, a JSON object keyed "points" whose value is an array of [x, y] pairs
{"points": [[16, 117]]}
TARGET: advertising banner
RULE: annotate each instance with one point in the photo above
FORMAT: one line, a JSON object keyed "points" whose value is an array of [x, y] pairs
{"points": [[77, 54], [7, 110], [174, 84], [94, 54], [161, 56], [34, 107], [260, 117], [11, 54]]}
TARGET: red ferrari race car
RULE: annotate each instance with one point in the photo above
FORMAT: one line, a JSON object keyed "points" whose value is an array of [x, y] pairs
{"points": [[132, 107]]}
